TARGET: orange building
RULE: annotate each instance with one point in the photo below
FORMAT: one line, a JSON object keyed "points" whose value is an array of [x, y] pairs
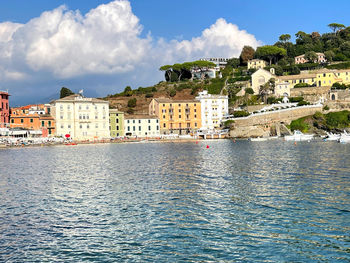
{"points": [[176, 116], [33, 117]]}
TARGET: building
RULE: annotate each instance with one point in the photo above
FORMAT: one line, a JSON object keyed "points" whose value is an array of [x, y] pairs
{"points": [[33, 117], [82, 118], [259, 78], [220, 62], [213, 109], [176, 116], [282, 89], [321, 58], [256, 63], [141, 126], [4, 109], [116, 123]]}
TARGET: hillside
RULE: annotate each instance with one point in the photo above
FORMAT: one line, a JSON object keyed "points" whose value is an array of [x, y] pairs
{"points": [[144, 96]]}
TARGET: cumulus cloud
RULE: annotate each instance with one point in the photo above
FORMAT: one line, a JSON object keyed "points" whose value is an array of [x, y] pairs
{"points": [[64, 44], [222, 39]]}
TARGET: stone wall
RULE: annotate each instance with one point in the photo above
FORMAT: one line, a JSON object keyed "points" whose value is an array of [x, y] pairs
{"points": [[311, 94], [258, 125]]}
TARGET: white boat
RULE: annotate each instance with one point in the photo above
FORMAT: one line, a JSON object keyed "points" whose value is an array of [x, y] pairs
{"points": [[332, 137], [299, 136], [258, 139]]}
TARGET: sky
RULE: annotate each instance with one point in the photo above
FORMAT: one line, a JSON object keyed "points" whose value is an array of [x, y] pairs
{"points": [[102, 46]]}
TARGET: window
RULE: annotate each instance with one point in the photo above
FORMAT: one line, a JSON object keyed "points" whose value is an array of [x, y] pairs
{"points": [[68, 107], [61, 117], [139, 121], [195, 110], [69, 126], [49, 123], [149, 121], [96, 126], [12, 121], [61, 107], [128, 121], [195, 124], [117, 128], [133, 121], [117, 120], [164, 125], [31, 120], [139, 128], [96, 117], [133, 128], [128, 128], [79, 107], [179, 110], [62, 126], [163, 116], [179, 116], [149, 128], [88, 126], [21, 120], [81, 126], [42, 123], [157, 127], [157, 121], [87, 107]]}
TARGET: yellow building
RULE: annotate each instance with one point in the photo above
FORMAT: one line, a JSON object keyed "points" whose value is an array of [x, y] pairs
{"points": [[176, 116], [256, 63], [319, 78]]}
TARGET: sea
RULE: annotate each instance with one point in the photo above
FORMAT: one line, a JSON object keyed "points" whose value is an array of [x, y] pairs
{"points": [[206, 201]]}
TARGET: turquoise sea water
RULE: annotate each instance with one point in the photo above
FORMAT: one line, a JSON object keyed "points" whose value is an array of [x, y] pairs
{"points": [[176, 202]]}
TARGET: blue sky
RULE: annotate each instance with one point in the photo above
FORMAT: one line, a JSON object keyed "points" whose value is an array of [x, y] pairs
{"points": [[160, 32]]}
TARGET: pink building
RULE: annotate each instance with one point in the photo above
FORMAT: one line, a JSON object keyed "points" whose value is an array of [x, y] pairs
{"points": [[4, 109], [321, 58]]}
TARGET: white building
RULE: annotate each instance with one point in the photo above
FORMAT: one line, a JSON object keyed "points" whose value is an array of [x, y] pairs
{"points": [[82, 118], [141, 126], [213, 109]]}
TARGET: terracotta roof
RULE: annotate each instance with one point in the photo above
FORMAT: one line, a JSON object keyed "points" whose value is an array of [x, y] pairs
{"points": [[300, 76]]}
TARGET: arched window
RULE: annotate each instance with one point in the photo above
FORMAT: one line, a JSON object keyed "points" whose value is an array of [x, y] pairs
{"points": [[333, 96], [261, 80]]}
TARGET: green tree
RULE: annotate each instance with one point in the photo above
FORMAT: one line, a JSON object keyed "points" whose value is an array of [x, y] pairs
{"points": [[65, 92], [172, 92], [336, 27], [233, 62], [128, 91], [272, 53], [329, 54], [311, 56], [132, 103], [167, 69], [284, 38], [246, 54], [249, 91]]}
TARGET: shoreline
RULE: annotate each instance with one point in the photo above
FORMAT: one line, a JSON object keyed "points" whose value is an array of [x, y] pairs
{"points": [[76, 143]]}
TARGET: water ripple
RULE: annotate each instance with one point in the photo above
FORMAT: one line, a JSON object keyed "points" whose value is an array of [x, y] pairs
{"points": [[176, 202]]}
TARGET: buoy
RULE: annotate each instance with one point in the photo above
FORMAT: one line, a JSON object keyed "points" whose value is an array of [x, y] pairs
{"points": [[295, 143], [207, 146], [196, 142]]}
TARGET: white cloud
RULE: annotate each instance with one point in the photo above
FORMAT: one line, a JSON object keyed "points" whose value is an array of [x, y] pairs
{"points": [[222, 39], [64, 44]]}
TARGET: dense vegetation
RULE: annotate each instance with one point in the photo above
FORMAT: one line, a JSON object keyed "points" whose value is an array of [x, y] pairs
{"points": [[65, 92], [333, 121]]}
